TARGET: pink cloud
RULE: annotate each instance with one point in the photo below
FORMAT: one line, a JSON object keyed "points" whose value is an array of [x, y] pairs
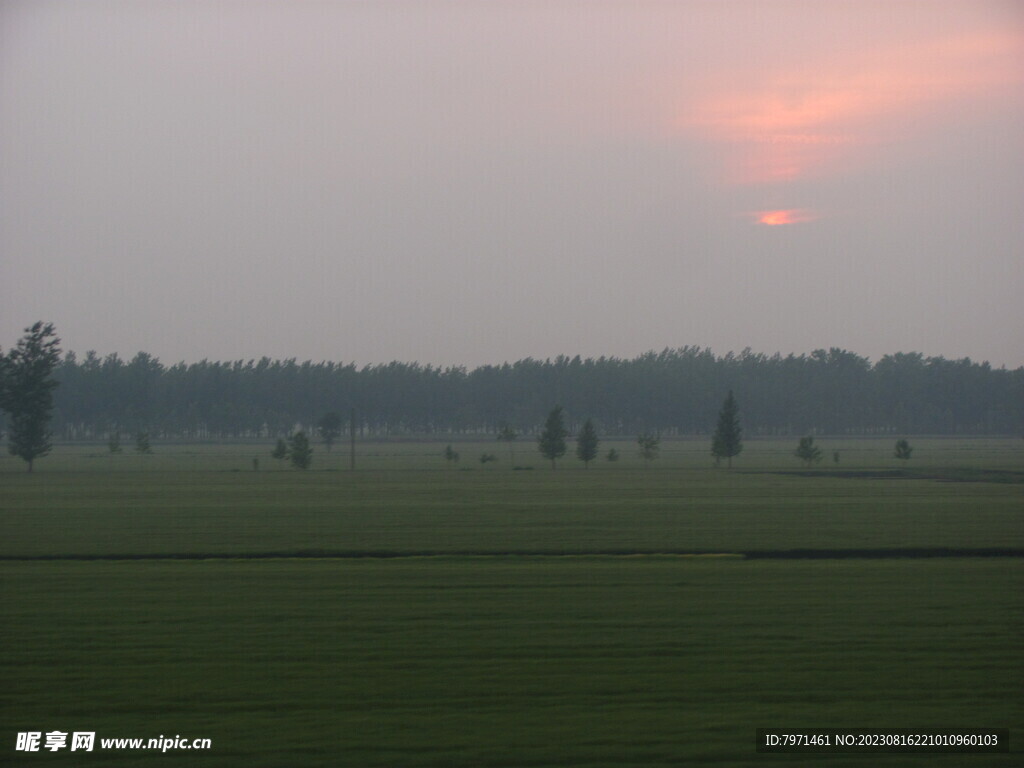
{"points": [[827, 116]]}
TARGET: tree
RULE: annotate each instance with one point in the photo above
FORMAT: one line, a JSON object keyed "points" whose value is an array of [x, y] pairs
{"points": [[903, 450], [551, 442], [142, 442], [487, 458], [26, 391], [807, 451], [586, 443], [648, 446], [3, 380], [114, 442], [508, 435], [329, 429], [726, 441], [300, 450], [280, 451], [613, 455], [451, 455], [827, 392]]}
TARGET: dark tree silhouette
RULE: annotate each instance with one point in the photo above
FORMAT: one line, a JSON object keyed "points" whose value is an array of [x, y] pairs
{"points": [[280, 451], [26, 391], [551, 442], [726, 443], [300, 451], [807, 451], [649, 445], [586, 443], [329, 428], [903, 450]]}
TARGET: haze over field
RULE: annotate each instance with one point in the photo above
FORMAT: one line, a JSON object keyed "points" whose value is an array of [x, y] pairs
{"points": [[467, 183]]}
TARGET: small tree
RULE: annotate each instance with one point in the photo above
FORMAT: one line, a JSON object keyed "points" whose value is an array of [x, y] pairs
{"points": [[280, 451], [487, 458], [508, 435], [586, 443], [835, 457], [142, 442], [903, 450], [26, 391], [451, 455], [4, 404], [329, 429], [300, 450], [551, 442], [726, 441], [648, 446], [613, 455], [807, 451], [114, 442]]}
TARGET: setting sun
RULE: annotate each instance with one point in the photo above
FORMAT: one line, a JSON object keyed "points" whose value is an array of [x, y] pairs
{"points": [[787, 216]]}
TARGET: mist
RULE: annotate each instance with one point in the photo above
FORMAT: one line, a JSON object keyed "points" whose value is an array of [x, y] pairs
{"points": [[460, 183]]}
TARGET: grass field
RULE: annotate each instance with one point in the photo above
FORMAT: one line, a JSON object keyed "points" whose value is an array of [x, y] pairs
{"points": [[479, 657]]}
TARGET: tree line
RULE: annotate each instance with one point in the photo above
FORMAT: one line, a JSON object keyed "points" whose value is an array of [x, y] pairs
{"points": [[674, 392]]}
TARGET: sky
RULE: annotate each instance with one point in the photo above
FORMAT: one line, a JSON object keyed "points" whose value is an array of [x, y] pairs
{"points": [[464, 183]]}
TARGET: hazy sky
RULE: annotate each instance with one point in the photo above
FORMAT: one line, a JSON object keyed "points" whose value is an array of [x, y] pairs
{"points": [[474, 182]]}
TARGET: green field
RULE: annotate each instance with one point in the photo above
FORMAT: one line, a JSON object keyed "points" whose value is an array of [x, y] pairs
{"points": [[492, 651]]}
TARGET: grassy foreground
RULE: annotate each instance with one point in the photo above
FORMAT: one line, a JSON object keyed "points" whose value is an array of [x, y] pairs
{"points": [[152, 505], [507, 661], [498, 660]]}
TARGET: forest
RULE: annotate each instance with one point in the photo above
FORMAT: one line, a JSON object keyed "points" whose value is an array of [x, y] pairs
{"points": [[673, 392]]}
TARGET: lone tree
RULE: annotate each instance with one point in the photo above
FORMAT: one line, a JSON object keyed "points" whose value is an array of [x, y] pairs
{"points": [[142, 443], [114, 442], [648, 447], [726, 441], [280, 451], [807, 451], [508, 435], [300, 451], [586, 443], [329, 428], [26, 391], [551, 442], [903, 450], [613, 455], [451, 455]]}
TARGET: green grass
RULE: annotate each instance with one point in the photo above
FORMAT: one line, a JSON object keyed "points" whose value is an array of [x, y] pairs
{"points": [[855, 454], [507, 660], [578, 511]]}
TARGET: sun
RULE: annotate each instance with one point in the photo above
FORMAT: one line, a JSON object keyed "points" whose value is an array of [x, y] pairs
{"points": [[784, 216]]}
